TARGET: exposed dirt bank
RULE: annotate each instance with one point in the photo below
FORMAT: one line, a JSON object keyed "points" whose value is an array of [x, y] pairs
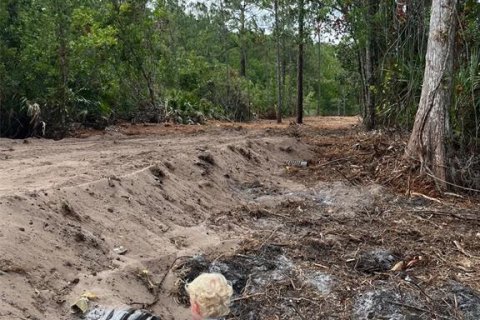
{"points": [[314, 242]]}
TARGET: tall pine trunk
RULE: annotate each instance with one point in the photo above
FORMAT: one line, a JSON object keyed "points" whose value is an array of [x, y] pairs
{"points": [[427, 141], [285, 100], [243, 49], [301, 17], [369, 119], [279, 64], [319, 86]]}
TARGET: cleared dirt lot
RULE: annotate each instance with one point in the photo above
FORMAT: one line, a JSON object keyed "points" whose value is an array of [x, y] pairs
{"points": [[313, 242]]}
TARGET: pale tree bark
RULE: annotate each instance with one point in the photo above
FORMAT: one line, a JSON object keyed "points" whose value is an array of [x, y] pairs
{"points": [[427, 141]]}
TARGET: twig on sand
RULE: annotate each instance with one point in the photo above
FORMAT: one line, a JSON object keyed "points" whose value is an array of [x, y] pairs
{"points": [[320, 266], [454, 195], [425, 196]]}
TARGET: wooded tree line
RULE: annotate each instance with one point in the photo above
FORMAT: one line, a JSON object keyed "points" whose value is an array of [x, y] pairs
{"points": [[93, 62], [419, 62]]}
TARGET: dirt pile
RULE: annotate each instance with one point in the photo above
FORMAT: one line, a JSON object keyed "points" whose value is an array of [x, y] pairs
{"points": [[74, 201]]}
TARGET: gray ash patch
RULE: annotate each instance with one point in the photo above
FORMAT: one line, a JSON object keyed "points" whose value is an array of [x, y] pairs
{"points": [[452, 301], [377, 260], [466, 299], [388, 304], [255, 189], [322, 282], [249, 273]]}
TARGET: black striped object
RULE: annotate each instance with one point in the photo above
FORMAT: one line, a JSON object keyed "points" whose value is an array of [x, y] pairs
{"points": [[296, 163], [119, 314]]}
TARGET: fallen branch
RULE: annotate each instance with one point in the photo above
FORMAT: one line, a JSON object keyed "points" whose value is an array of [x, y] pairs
{"points": [[425, 196]]}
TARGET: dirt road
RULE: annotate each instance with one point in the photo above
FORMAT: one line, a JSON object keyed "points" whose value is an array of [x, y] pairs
{"points": [[118, 214]]}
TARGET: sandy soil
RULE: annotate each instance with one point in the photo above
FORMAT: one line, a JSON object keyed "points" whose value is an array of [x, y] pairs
{"points": [[169, 192]]}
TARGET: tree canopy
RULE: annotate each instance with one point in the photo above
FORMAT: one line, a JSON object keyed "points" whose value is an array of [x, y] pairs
{"points": [[95, 62], [70, 63]]}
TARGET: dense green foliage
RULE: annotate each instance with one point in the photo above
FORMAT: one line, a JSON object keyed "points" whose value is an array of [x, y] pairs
{"points": [[94, 62], [396, 37]]}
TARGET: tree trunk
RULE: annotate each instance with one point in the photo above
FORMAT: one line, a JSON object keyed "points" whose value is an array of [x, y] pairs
{"points": [[243, 50], [150, 86], [279, 64], [285, 100], [301, 13], [319, 70], [369, 119], [427, 141], [363, 93]]}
